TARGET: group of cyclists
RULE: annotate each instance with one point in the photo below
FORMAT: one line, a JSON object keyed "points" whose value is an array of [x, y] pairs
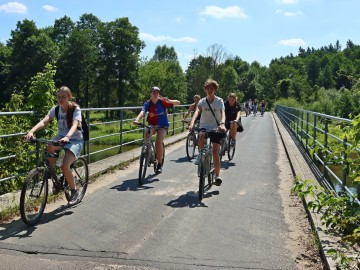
{"points": [[211, 112], [252, 106]]}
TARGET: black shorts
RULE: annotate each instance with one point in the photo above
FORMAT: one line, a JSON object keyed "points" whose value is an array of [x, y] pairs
{"points": [[228, 123], [216, 136]]}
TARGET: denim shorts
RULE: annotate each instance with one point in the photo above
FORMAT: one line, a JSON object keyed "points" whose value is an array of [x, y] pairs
{"points": [[75, 146]]}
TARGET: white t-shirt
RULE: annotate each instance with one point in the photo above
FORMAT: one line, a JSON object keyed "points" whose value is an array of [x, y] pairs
{"points": [[62, 123], [207, 119]]}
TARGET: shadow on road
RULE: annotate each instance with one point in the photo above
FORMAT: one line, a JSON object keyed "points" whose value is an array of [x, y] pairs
{"points": [[181, 160], [133, 184], [227, 164], [191, 200], [18, 229]]}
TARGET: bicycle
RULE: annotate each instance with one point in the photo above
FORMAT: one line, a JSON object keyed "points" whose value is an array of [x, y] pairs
{"points": [[35, 190], [192, 141], [206, 165], [227, 146], [148, 154]]}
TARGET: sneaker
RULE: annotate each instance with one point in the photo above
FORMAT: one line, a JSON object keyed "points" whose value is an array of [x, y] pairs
{"points": [[218, 181], [233, 142], [159, 168], [74, 196], [197, 161]]}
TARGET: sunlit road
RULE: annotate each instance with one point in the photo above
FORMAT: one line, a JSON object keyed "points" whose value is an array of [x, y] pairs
{"points": [[162, 225]]}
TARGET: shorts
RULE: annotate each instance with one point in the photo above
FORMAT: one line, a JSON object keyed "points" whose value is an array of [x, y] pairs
{"points": [[216, 136], [227, 124], [74, 146]]}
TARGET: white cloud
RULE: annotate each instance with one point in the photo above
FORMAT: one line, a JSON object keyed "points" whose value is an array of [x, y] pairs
{"points": [[288, 13], [295, 42], [150, 37], [228, 12], [287, 2], [14, 7], [49, 8]]}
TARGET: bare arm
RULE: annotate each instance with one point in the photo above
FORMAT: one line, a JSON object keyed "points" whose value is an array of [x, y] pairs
{"points": [[140, 115], [193, 119], [37, 127]]}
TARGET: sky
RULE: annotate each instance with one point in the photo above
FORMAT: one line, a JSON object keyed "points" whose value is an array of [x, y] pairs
{"points": [[254, 30]]}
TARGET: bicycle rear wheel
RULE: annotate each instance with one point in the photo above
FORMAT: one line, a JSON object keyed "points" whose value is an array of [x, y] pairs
{"points": [[144, 162], [190, 145], [34, 196], [202, 176], [80, 173], [231, 149]]}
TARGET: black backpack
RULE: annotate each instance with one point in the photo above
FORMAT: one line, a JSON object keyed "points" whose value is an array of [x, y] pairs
{"points": [[84, 125]]}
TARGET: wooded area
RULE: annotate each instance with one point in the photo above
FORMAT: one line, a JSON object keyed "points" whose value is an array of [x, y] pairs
{"points": [[101, 63]]}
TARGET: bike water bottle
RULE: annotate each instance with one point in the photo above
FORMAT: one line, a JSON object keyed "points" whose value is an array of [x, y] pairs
{"points": [[59, 160]]}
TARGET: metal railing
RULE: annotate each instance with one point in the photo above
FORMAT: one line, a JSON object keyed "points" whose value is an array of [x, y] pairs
{"points": [[121, 130], [319, 134]]}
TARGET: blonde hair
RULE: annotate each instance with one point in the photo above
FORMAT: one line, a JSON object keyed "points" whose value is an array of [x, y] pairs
{"points": [[197, 96], [211, 82]]}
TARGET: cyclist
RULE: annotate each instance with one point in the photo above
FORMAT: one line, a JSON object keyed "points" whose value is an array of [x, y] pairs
{"points": [[212, 117], [157, 116], [192, 108], [69, 131], [262, 106], [232, 115]]}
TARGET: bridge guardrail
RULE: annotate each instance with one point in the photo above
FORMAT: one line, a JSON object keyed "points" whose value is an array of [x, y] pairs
{"points": [[316, 131], [176, 126]]}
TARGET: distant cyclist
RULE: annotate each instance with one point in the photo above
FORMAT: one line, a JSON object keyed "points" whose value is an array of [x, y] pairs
{"points": [[192, 107], [212, 118], [233, 116], [69, 131], [156, 107], [262, 106]]}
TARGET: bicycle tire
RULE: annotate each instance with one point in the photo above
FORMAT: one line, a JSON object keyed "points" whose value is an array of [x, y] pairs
{"points": [[144, 162], [211, 172], [80, 171], [202, 176], [231, 150], [190, 146], [33, 196]]}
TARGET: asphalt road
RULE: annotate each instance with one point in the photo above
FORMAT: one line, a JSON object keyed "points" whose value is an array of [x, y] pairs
{"points": [[162, 225]]}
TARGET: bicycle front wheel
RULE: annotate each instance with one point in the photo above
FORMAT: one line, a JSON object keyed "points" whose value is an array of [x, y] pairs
{"points": [[190, 146], [144, 162], [33, 196], [80, 171], [202, 176]]}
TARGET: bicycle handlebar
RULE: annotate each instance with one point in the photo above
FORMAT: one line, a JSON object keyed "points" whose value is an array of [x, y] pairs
{"points": [[147, 126], [53, 142]]}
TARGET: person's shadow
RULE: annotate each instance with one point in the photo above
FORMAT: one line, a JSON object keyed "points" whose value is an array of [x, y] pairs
{"points": [[133, 184], [191, 200]]}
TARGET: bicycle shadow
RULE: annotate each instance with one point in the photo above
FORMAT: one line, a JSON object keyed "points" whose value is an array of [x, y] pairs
{"points": [[191, 200], [133, 184], [17, 228], [181, 160], [226, 164]]}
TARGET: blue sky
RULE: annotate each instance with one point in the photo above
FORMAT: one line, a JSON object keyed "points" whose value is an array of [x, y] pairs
{"points": [[255, 30]]}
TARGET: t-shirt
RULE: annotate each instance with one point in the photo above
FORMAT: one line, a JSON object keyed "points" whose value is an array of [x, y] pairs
{"points": [[157, 112], [231, 111], [207, 119], [62, 123]]}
